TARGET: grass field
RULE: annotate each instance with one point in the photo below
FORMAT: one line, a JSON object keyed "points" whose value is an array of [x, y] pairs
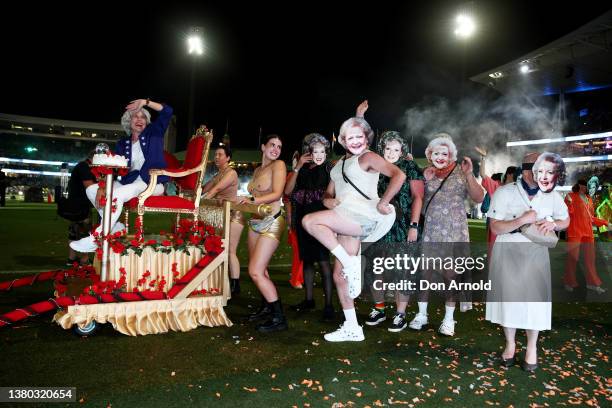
{"points": [[229, 366]]}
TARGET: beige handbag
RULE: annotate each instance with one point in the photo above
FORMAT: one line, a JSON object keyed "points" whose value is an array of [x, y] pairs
{"points": [[530, 231], [549, 240]]}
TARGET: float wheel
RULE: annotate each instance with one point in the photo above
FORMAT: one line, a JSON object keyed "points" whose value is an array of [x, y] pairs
{"points": [[87, 330]]}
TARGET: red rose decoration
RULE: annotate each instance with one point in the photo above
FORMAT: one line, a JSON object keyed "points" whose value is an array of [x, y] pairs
{"points": [[166, 243], [213, 244], [118, 247]]}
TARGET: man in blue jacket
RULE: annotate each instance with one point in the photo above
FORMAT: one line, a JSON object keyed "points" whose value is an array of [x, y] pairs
{"points": [[144, 148]]}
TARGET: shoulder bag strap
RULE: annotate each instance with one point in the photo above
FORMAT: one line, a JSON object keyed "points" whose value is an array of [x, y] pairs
{"points": [[436, 192], [346, 179]]}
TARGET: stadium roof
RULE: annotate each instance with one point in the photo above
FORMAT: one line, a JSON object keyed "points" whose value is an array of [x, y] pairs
{"points": [[579, 61]]}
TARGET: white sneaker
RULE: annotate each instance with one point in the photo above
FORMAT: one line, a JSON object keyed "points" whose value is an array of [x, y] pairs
{"points": [[418, 322], [84, 245], [597, 289], [352, 274], [345, 333], [568, 288], [447, 328]]}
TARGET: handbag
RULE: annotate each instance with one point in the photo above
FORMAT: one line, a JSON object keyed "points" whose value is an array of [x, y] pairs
{"points": [[394, 201], [530, 231], [424, 213], [261, 225]]}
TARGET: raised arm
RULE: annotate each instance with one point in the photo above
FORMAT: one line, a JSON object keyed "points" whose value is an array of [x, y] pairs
{"points": [[483, 157], [475, 190], [138, 104], [292, 179], [160, 124], [361, 109]]}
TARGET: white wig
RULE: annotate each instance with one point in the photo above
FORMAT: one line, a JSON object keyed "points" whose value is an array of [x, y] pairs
{"points": [[442, 139], [355, 122], [126, 119]]}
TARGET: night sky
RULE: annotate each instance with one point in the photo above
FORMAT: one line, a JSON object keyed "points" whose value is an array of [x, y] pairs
{"points": [[291, 68]]}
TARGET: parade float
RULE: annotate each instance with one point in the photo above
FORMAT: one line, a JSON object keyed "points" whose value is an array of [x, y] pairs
{"points": [[143, 283]]}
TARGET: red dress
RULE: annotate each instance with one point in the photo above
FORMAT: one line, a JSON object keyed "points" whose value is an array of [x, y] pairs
{"points": [[297, 273]]}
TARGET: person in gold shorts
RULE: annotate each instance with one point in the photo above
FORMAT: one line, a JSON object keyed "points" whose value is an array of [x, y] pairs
{"points": [[266, 187]]}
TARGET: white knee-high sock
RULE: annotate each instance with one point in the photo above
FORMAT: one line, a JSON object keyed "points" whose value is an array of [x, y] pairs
{"points": [[423, 308], [351, 317], [448, 316], [340, 253]]}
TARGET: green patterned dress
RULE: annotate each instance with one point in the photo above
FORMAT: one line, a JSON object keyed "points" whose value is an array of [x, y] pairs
{"points": [[399, 231]]}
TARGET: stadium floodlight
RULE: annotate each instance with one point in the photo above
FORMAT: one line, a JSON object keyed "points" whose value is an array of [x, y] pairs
{"points": [[465, 26], [524, 68], [195, 43]]}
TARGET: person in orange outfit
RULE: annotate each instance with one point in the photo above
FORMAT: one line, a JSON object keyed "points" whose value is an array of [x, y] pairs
{"points": [[580, 236], [297, 266]]}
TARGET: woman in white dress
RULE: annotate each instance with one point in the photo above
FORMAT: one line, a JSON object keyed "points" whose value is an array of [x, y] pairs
{"points": [[355, 214], [520, 297]]}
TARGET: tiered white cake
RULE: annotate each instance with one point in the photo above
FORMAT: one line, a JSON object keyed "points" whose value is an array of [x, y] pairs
{"points": [[111, 160]]}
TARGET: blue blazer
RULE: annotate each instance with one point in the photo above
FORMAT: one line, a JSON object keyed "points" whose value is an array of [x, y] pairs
{"points": [[152, 145]]}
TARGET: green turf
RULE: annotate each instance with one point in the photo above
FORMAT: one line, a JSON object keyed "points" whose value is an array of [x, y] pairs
{"points": [[229, 366]]}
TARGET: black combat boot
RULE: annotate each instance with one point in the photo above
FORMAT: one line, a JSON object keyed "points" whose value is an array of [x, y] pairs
{"points": [[263, 312], [235, 286], [276, 322], [303, 306]]}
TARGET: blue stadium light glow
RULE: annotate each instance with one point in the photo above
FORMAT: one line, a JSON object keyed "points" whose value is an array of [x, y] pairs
{"points": [[548, 91]]}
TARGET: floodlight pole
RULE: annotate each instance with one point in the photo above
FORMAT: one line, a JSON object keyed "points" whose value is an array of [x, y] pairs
{"points": [[190, 129]]}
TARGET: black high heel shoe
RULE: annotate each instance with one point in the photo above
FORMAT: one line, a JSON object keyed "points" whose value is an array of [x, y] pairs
{"points": [[507, 362], [530, 368]]}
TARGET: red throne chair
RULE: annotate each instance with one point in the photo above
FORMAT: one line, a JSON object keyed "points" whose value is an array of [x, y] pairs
{"points": [[187, 178]]}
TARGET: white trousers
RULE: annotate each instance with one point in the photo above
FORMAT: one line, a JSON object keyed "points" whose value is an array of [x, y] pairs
{"points": [[122, 193]]}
